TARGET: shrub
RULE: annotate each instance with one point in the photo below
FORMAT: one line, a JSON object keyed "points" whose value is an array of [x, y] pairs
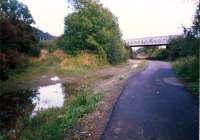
{"points": [[182, 47], [117, 54], [160, 54], [51, 46], [153, 52], [187, 69], [93, 28]]}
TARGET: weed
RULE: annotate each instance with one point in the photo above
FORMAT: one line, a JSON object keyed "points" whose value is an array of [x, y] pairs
{"points": [[188, 71], [54, 123]]}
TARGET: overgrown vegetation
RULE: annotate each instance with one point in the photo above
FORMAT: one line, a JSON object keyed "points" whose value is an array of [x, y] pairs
{"points": [[54, 123], [185, 51], [187, 70], [152, 53], [17, 37], [51, 124], [55, 63], [93, 28]]}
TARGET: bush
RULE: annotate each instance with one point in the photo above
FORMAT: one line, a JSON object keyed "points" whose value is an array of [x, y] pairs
{"points": [[117, 54], [160, 54], [93, 28], [182, 47], [51, 46], [187, 69], [10, 64]]}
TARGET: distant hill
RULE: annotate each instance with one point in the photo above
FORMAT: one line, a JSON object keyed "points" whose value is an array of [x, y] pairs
{"points": [[43, 36]]}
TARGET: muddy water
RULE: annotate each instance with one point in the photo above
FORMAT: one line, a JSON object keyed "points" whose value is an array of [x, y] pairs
{"points": [[49, 96], [14, 105]]}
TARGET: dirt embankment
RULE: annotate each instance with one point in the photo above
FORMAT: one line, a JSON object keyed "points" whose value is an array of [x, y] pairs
{"points": [[110, 82]]}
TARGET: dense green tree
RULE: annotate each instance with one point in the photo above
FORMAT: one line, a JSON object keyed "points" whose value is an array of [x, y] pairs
{"points": [[93, 28], [17, 38], [15, 11]]}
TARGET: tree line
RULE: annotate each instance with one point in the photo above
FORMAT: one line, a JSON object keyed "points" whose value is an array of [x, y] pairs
{"points": [[90, 27], [17, 36]]}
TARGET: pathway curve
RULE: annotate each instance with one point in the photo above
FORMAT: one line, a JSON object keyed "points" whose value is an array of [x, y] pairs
{"points": [[154, 106]]}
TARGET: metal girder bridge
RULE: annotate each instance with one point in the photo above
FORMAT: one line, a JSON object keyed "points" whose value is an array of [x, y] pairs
{"points": [[150, 41]]}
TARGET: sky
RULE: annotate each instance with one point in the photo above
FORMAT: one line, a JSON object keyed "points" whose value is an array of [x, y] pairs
{"points": [[137, 18]]}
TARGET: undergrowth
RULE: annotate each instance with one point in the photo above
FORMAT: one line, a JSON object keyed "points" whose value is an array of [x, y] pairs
{"points": [[187, 69], [54, 123]]}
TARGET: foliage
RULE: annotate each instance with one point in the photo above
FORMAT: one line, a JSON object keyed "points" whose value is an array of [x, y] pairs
{"points": [[55, 63], [54, 124], [185, 51], [51, 46], [93, 28], [196, 22], [15, 11], [153, 52], [83, 58], [13, 105], [187, 70], [17, 37], [183, 46], [188, 43], [160, 54]]}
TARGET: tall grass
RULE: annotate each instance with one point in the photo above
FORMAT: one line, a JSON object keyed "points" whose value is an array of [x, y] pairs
{"points": [[55, 63]]}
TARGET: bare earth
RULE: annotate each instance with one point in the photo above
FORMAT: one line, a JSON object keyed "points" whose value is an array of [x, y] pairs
{"points": [[109, 81]]}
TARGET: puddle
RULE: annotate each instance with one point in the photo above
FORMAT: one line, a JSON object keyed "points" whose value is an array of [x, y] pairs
{"points": [[49, 96], [13, 105], [26, 103], [55, 78], [134, 66]]}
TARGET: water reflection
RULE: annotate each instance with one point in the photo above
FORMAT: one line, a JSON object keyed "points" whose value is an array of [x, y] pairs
{"points": [[49, 96], [13, 105], [26, 103], [55, 78]]}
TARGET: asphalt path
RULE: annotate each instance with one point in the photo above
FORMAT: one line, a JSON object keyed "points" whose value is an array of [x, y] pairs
{"points": [[154, 105]]}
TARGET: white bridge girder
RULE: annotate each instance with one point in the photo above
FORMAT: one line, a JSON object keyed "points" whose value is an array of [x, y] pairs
{"points": [[150, 41]]}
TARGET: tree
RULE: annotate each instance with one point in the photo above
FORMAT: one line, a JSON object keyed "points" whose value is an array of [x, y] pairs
{"points": [[187, 44], [15, 11], [93, 28], [196, 22], [17, 37]]}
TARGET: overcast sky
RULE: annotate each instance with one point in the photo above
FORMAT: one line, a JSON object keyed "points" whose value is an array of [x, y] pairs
{"points": [[137, 18]]}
